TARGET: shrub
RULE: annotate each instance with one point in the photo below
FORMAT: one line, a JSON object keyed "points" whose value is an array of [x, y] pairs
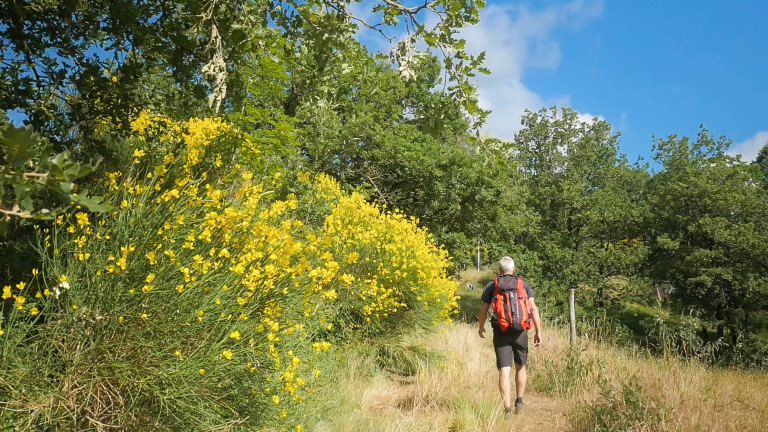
{"points": [[202, 301], [627, 407], [391, 275], [562, 376]]}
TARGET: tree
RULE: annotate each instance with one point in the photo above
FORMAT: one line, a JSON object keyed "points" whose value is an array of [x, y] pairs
{"points": [[589, 200], [78, 72], [708, 236], [762, 163], [354, 117], [74, 69]]}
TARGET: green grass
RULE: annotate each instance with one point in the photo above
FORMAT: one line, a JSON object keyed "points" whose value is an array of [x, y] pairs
{"points": [[471, 285], [759, 322], [636, 317]]}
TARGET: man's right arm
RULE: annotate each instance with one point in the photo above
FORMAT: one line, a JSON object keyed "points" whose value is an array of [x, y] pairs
{"points": [[481, 317]]}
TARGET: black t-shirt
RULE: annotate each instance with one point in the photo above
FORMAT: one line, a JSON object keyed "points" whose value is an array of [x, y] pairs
{"points": [[489, 289]]}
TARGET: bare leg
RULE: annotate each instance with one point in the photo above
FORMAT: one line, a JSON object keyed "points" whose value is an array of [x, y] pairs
{"points": [[504, 386], [521, 376]]}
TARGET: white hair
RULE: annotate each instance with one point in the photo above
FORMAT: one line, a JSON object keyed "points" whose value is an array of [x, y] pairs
{"points": [[506, 265]]}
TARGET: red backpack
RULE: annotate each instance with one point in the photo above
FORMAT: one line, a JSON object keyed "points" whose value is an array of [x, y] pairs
{"points": [[510, 304]]}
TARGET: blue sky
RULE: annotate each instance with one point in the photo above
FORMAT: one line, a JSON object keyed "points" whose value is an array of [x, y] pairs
{"points": [[648, 68]]}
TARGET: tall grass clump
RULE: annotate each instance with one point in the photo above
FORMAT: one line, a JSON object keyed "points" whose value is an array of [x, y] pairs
{"points": [[563, 375], [202, 301], [627, 406]]}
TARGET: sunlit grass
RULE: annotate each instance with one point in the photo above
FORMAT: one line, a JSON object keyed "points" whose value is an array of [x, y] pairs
{"points": [[587, 387]]}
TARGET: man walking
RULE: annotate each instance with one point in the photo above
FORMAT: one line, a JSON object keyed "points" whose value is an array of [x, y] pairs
{"points": [[511, 342]]}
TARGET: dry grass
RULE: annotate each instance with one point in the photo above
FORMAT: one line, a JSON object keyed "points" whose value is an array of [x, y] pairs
{"points": [[459, 391], [474, 275], [697, 398]]}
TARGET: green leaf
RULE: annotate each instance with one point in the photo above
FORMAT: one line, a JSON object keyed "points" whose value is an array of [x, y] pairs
{"points": [[66, 187], [92, 203], [19, 145]]}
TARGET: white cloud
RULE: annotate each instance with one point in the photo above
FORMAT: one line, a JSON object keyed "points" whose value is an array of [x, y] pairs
{"points": [[589, 118], [749, 148], [516, 38]]}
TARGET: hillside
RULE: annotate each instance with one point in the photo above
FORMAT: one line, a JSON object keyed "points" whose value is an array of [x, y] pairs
{"points": [[456, 391]]}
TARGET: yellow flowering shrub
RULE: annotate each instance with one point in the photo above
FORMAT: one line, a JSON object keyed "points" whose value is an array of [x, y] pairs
{"points": [[204, 299], [376, 270]]}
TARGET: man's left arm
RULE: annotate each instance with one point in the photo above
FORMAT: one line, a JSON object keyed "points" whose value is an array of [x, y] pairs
{"points": [[536, 321]]}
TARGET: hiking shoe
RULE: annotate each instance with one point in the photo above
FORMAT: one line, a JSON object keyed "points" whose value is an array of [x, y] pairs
{"points": [[519, 407], [507, 413]]}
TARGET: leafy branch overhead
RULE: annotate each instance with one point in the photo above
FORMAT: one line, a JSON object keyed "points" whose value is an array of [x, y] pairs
{"points": [[114, 58], [451, 16], [27, 169]]}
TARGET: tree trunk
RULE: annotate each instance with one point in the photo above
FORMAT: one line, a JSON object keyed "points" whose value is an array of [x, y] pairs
{"points": [[734, 335], [719, 316], [745, 326]]}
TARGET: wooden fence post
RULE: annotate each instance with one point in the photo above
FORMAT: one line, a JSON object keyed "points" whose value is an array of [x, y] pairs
{"points": [[572, 310]]}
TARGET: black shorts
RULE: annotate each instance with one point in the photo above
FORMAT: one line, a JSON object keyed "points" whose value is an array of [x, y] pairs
{"points": [[509, 345]]}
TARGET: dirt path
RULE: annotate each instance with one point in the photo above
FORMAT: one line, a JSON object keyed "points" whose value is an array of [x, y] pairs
{"points": [[542, 414], [460, 395], [458, 392]]}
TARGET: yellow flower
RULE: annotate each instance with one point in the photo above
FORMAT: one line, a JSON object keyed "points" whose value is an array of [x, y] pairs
{"points": [[227, 354], [177, 353], [34, 311], [275, 399], [1, 332], [201, 371], [321, 346], [329, 295], [82, 219], [120, 319], [235, 335], [7, 292]]}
